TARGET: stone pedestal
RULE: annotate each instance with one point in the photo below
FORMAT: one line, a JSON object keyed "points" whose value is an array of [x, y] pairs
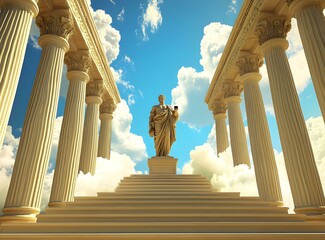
{"points": [[162, 165]]}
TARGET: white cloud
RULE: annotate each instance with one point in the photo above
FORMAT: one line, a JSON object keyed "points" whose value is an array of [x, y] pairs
{"points": [[192, 85], [118, 75], [113, 2], [127, 59], [34, 35], [131, 99], [123, 140], [232, 7], [120, 16], [224, 177], [151, 18], [109, 36]]}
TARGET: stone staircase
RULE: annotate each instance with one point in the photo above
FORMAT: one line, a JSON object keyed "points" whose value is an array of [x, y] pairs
{"points": [[166, 207]]}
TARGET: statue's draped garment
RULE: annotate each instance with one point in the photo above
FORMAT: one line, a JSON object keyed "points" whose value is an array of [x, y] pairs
{"points": [[162, 126]]}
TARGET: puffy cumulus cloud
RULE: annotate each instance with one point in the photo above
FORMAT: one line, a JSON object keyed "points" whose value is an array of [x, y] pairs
{"points": [[109, 36], [123, 141], [226, 178], [212, 45], [192, 85], [108, 175], [151, 18]]}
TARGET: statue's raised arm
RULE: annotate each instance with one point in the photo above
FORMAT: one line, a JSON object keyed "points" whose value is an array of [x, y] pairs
{"points": [[162, 123]]}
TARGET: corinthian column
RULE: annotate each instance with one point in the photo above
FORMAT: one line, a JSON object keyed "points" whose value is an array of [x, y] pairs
{"points": [[219, 115], [266, 172], [90, 134], [67, 160], [15, 22], [106, 115], [299, 159], [236, 126], [24, 194], [311, 25]]}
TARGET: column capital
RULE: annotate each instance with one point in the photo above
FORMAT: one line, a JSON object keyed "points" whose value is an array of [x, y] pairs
{"points": [[78, 61], [57, 23], [232, 89], [107, 107], [249, 63], [219, 106], [272, 27], [296, 5], [29, 5], [95, 89]]}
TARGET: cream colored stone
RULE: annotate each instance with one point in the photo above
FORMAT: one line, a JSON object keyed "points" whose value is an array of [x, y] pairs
{"points": [[219, 114], [90, 134], [311, 25], [15, 23], [24, 193], [69, 148], [303, 176], [162, 165], [266, 172], [238, 142]]}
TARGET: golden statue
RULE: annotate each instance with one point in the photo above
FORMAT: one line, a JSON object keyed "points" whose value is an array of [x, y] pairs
{"points": [[162, 126]]}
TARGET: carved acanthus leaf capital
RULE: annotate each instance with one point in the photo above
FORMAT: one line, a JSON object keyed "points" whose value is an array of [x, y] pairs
{"points": [[95, 88], [250, 63], [55, 24], [77, 61], [232, 89], [272, 27], [107, 107], [219, 106]]}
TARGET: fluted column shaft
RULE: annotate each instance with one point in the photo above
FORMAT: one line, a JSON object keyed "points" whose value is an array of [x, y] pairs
{"points": [[311, 25], [15, 23], [105, 135], [266, 172], [90, 134], [237, 132], [69, 149], [219, 114], [299, 159], [24, 194]]}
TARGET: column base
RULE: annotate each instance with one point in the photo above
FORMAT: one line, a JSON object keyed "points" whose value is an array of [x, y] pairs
{"points": [[57, 204], [19, 214], [310, 210], [162, 165]]}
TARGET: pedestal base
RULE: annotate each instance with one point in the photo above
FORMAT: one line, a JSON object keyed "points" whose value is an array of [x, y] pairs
{"points": [[162, 165]]}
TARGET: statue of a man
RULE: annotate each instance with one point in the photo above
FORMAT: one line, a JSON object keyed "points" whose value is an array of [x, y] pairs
{"points": [[162, 126]]}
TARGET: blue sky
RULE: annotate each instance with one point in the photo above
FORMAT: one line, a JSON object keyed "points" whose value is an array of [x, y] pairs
{"points": [[171, 47]]}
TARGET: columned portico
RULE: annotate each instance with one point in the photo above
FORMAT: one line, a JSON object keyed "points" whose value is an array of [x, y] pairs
{"points": [[23, 203], [90, 134], [303, 176], [15, 23], [266, 172], [68, 155], [238, 142], [219, 115], [311, 25], [105, 134]]}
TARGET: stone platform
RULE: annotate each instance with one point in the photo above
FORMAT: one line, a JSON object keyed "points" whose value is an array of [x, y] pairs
{"points": [[162, 165], [166, 206]]}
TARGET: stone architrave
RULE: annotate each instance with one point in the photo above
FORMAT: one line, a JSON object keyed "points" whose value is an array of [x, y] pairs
{"points": [[299, 159], [219, 115], [311, 25], [238, 142], [69, 148], [15, 23], [24, 194], [106, 110], [266, 172], [89, 149]]}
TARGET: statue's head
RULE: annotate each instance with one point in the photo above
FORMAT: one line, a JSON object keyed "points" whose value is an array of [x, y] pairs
{"points": [[161, 98]]}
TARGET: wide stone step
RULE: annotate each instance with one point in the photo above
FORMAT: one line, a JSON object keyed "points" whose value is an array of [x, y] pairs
{"points": [[171, 182], [164, 186], [164, 190], [188, 209], [168, 227], [168, 202], [167, 194], [173, 217]]}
